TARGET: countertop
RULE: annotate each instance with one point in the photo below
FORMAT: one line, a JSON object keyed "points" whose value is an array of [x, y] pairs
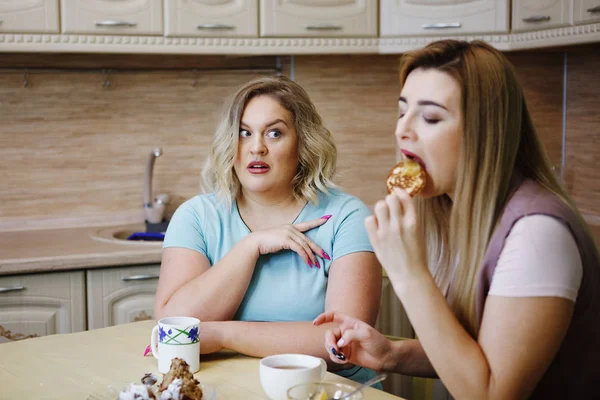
{"points": [[63, 249], [98, 363]]}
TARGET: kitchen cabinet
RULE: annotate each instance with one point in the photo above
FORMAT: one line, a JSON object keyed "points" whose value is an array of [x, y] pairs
{"points": [[392, 320], [323, 18], [209, 18], [447, 17], [540, 14], [586, 11], [121, 295], [36, 16], [123, 17], [41, 304]]}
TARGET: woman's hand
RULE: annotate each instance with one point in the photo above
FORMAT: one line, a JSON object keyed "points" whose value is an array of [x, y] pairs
{"points": [[395, 235], [292, 237], [356, 342]]}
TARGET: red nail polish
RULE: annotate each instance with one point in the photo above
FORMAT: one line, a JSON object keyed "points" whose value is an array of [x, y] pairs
{"points": [[310, 263], [317, 264], [325, 255], [326, 217], [147, 351]]}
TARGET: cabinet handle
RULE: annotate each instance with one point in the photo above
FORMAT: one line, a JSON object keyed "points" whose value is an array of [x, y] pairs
{"points": [[138, 278], [590, 10], [11, 289], [537, 18], [215, 27], [442, 25], [109, 23], [324, 27]]}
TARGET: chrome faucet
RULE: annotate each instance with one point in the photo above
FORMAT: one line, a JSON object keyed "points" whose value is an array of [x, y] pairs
{"points": [[153, 208]]}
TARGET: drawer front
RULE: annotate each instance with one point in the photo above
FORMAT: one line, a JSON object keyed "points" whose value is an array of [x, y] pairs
{"points": [[29, 16], [586, 11], [121, 295], [324, 18], [106, 17], [41, 304], [205, 18], [540, 14], [445, 17]]}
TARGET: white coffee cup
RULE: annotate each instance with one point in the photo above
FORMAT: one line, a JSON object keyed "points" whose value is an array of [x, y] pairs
{"points": [[280, 372], [176, 337]]}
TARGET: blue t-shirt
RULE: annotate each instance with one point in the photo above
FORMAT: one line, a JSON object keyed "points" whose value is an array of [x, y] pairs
{"points": [[283, 287]]}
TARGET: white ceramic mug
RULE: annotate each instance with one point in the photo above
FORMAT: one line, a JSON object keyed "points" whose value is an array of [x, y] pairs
{"points": [[176, 337], [280, 372]]}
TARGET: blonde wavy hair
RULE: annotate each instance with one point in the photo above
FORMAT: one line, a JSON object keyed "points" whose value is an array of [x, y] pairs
{"points": [[317, 150], [498, 138]]}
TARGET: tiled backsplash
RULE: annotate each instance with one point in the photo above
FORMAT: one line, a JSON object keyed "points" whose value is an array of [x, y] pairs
{"points": [[74, 152]]}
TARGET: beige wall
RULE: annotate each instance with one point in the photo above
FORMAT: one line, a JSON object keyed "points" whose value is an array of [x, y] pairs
{"points": [[73, 152]]}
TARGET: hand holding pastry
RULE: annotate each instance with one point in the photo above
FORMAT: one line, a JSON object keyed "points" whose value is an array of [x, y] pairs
{"points": [[393, 228]]}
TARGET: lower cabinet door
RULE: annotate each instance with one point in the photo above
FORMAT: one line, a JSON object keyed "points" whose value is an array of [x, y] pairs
{"points": [[35, 305], [393, 321], [121, 295]]}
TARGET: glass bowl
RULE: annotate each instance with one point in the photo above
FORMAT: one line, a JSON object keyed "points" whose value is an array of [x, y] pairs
{"points": [[322, 391]]}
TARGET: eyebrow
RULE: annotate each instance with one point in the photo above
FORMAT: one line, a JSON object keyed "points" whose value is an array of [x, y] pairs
{"points": [[275, 122], [424, 103]]}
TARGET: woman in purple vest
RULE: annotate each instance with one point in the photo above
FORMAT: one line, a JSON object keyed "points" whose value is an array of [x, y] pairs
{"points": [[496, 268]]}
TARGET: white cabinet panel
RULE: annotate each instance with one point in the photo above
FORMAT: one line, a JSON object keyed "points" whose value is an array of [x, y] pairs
{"points": [[586, 11], [321, 18], [29, 16], [41, 304], [443, 17], [540, 14], [392, 320], [121, 295], [134, 17], [210, 18]]}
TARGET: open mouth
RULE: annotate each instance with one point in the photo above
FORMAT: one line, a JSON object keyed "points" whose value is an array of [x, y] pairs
{"points": [[258, 167], [414, 157]]}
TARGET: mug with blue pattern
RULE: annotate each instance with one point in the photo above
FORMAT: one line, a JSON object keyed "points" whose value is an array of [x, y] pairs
{"points": [[176, 337]]}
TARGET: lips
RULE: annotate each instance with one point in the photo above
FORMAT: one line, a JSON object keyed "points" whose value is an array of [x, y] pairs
{"points": [[413, 156], [258, 167]]}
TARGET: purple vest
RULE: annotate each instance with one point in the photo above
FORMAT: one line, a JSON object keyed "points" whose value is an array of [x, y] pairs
{"points": [[575, 371]]}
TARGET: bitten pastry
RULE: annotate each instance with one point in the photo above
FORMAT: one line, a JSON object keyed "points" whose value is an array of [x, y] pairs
{"points": [[408, 175]]}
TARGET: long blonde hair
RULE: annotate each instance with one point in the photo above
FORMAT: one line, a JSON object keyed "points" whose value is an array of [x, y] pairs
{"points": [[317, 151], [498, 138]]}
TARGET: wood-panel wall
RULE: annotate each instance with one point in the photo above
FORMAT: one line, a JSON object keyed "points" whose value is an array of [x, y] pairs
{"points": [[582, 171], [72, 151]]}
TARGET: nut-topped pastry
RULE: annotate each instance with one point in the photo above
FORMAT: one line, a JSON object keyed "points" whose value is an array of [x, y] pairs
{"points": [[408, 175]]}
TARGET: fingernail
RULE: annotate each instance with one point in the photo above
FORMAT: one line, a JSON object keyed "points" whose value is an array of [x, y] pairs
{"points": [[147, 350], [339, 355], [325, 255], [310, 264], [317, 264], [341, 343], [326, 217]]}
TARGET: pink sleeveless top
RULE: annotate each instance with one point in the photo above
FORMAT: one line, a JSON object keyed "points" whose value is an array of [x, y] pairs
{"points": [[575, 371]]}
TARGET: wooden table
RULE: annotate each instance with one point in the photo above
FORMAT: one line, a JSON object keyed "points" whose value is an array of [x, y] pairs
{"points": [[86, 365]]}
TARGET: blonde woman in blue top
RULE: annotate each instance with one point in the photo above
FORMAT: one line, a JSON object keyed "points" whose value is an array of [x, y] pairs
{"points": [[273, 243]]}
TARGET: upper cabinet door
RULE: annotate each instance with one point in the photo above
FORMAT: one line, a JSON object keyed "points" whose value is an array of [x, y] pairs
{"points": [[447, 17], [135, 17], [211, 18], [318, 18], [29, 16], [540, 14], [585, 11]]}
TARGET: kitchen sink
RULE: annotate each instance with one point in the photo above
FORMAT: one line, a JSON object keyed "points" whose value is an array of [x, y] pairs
{"points": [[119, 234]]}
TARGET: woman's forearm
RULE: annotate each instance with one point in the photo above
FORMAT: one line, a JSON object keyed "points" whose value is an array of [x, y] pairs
{"points": [[217, 293], [408, 358], [261, 339]]}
